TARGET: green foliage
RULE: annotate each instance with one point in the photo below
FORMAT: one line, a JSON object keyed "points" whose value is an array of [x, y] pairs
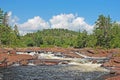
{"points": [[16, 31], [102, 31], [8, 37], [106, 34], [52, 37], [38, 40], [91, 41], [115, 36], [82, 39]]}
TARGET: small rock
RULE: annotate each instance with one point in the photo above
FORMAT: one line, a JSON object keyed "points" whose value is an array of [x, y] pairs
{"points": [[112, 72]]}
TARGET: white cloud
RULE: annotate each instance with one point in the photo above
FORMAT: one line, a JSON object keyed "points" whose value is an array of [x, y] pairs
{"points": [[12, 19], [65, 21], [71, 22], [9, 13], [33, 25], [118, 22], [62, 21]]}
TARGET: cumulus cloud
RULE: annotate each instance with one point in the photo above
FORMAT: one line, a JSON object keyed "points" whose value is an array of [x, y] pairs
{"points": [[33, 25], [64, 21], [71, 22]]}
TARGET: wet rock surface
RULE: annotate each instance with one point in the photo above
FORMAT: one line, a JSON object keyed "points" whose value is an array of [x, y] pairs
{"points": [[114, 78], [9, 59]]}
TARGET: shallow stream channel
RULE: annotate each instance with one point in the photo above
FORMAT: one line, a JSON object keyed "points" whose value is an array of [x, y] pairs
{"points": [[54, 72]]}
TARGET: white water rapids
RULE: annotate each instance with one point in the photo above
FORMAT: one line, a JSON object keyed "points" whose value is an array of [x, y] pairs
{"points": [[80, 63], [75, 69]]}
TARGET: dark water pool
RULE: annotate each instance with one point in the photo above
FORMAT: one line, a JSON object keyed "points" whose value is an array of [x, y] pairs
{"points": [[56, 72]]}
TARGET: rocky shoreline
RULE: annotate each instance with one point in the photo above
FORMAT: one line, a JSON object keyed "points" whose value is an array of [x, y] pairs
{"points": [[8, 57]]}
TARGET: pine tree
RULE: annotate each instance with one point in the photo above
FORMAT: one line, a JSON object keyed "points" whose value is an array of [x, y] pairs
{"points": [[102, 31], [5, 19], [1, 16], [16, 31]]}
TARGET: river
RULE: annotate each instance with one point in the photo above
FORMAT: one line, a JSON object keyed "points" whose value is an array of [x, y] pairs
{"points": [[54, 72]]}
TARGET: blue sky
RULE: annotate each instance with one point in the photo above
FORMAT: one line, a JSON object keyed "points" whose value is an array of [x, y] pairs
{"points": [[47, 9]]}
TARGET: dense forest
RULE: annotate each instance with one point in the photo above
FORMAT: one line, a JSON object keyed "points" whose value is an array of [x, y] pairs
{"points": [[106, 34]]}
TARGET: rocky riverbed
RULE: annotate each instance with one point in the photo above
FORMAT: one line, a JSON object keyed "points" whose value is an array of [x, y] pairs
{"points": [[8, 57]]}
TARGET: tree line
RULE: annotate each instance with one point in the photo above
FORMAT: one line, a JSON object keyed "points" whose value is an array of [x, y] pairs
{"points": [[106, 34]]}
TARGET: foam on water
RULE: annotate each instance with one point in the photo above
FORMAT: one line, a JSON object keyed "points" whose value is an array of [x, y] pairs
{"points": [[89, 67], [79, 63], [47, 56], [31, 64], [16, 64]]}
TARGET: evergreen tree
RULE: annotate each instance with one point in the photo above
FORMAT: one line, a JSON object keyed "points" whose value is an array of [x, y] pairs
{"points": [[38, 40], [5, 19], [1, 16], [115, 35], [82, 39], [16, 31], [102, 31]]}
